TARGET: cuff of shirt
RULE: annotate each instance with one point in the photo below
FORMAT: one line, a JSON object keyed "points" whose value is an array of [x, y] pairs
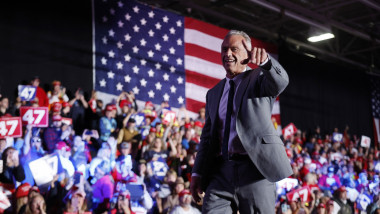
{"points": [[267, 64]]}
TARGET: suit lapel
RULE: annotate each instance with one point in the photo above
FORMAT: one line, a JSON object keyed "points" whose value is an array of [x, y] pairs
{"points": [[215, 99], [241, 90]]}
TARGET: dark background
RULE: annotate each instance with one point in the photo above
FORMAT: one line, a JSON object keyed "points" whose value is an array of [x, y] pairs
{"points": [[53, 40]]}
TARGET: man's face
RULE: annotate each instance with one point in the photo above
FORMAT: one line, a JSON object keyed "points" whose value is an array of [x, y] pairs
{"points": [[234, 55]]}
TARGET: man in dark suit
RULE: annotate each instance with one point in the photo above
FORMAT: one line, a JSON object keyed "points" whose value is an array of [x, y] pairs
{"points": [[240, 155]]}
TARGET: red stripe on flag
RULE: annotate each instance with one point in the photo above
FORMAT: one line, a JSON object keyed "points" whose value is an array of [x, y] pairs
{"points": [[209, 29], [193, 105], [203, 53], [201, 80]]}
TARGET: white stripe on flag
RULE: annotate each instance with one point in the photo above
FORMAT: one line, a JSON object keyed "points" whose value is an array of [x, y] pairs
{"points": [[377, 128], [204, 40], [196, 92], [204, 67]]}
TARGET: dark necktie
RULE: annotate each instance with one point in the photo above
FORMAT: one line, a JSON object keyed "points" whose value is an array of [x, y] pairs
{"points": [[227, 123]]}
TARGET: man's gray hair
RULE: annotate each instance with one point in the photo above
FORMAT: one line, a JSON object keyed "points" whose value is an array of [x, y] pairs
{"points": [[243, 34]]}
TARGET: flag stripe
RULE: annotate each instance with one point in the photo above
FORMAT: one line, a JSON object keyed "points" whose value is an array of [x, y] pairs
{"points": [[204, 67], [194, 105], [201, 39], [207, 28], [203, 53], [201, 80], [196, 92]]}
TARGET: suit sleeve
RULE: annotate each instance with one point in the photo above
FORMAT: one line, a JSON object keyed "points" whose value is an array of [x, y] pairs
{"points": [[274, 79], [204, 144]]}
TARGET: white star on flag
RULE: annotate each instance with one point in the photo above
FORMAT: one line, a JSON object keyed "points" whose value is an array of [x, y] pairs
{"points": [[151, 94], [143, 82], [103, 83], [135, 69], [119, 87], [111, 54], [127, 78], [158, 86], [104, 61], [166, 97], [173, 89], [111, 74], [119, 65]]}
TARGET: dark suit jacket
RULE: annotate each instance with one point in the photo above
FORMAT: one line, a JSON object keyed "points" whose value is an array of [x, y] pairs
{"points": [[254, 101]]}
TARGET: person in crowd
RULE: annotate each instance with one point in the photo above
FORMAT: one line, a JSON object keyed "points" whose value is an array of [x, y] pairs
{"points": [[102, 189], [4, 106], [130, 134], [76, 202], [36, 205], [107, 124], [12, 171], [123, 203], [173, 199], [341, 201], [58, 94], [184, 206], [41, 96], [21, 195], [156, 150], [78, 110]]}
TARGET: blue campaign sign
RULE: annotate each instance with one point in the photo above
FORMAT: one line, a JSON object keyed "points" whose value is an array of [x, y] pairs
{"points": [[337, 137], [140, 119], [363, 201], [27, 92]]}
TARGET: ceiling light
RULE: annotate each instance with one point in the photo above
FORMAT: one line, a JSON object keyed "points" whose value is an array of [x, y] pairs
{"points": [[321, 37]]}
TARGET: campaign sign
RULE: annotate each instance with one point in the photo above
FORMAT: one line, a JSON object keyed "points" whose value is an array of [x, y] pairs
{"points": [[304, 194], [287, 183], [10, 127], [27, 92], [35, 116], [289, 130], [67, 121], [168, 116], [365, 141], [136, 190], [337, 137], [140, 119], [363, 201], [4, 202], [44, 169]]}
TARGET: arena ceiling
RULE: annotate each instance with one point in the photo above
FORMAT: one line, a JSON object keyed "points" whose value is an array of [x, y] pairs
{"points": [[355, 24]]}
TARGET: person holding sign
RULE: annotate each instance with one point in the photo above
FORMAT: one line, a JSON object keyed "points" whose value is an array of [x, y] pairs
{"points": [[240, 154], [12, 169]]}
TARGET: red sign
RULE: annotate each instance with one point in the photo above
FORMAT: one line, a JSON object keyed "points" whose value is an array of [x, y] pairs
{"points": [[289, 130], [35, 116], [168, 116], [10, 127], [304, 194]]}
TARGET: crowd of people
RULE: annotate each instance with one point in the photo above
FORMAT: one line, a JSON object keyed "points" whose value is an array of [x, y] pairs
{"points": [[121, 158]]}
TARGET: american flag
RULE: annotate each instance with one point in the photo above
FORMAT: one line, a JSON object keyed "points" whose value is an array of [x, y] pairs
{"points": [[159, 55], [375, 96]]}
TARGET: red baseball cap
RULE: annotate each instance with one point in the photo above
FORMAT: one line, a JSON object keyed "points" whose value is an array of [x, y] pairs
{"points": [[184, 192], [198, 123], [23, 190], [109, 107], [60, 145], [153, 130], [124, 103], [321, 205]]}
